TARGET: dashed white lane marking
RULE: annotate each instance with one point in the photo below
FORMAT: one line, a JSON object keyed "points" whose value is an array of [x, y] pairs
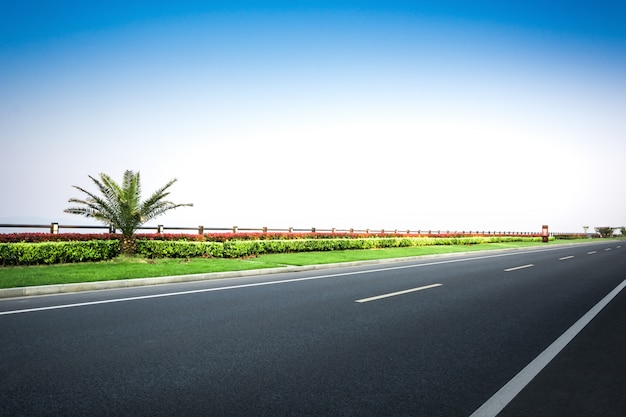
{"points": [[505, 395], [392, 294], [607, 249], [592, 252], [566, 257], [519, 267]]}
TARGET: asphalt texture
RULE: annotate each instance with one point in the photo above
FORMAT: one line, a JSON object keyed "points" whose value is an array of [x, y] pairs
{"points": [[298, 344], [588, 378]]}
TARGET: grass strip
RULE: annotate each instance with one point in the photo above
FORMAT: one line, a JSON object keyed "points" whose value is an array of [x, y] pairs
{"points": [[124, 267]]}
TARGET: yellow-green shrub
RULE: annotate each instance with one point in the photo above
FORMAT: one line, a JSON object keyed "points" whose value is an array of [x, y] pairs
{"points": [[58, 252]]}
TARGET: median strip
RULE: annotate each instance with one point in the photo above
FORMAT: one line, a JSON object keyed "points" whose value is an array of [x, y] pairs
{"points": [[519, 267], [393, 294]]}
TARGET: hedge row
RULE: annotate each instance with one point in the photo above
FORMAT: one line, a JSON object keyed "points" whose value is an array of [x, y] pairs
{"points": [[100, 250], [60, 237], [80, 237], [237, 249], [57, 252], [179, 249], [225, 237]]}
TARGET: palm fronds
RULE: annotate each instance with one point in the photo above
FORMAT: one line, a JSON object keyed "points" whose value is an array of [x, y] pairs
{"points": [[121, 206]]}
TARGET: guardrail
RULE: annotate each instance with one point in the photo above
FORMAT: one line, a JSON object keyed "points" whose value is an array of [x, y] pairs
{"points": [[55, 228]]}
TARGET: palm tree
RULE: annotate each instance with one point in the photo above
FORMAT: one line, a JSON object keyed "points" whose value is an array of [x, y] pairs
{"points": [[121, 207]]}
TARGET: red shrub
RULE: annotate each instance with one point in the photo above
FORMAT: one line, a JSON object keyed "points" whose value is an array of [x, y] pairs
{"points": [[223, 237], [48, 237], [170, 236]]}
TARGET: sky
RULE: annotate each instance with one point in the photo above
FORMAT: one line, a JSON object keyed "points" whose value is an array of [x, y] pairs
{"points": [[420, 115]]}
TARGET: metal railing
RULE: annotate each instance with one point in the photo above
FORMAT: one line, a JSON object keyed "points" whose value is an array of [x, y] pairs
{"points": [[55, 228]]}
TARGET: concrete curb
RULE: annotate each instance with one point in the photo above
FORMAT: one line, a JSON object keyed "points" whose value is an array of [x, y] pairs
{"points": [[138, 282]]}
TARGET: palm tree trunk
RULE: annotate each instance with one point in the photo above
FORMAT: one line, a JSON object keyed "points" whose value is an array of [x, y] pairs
{"points": [[128, 245]]}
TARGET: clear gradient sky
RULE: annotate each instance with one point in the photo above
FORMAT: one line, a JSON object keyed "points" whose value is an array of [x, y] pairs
{"points": [[447, 115]]}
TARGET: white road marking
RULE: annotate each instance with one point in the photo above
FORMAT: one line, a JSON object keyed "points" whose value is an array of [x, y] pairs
{"points": [[505, 395], [392, 294], [566, 257], [607, 249], [519, 267], [592, 252]]}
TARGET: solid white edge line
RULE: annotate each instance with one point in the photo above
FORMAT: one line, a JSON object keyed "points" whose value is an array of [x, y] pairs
{"points": [[173, 294], [392, 294], [231, 287], [505, 395], [519, 267]]}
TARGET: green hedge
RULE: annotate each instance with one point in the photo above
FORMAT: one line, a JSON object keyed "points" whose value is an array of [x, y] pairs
{"points": [[99, 250], [58, 252], [179, 249], [235, 249]]}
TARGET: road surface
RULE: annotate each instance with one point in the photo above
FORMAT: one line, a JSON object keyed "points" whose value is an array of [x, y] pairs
{"points": [[432, 337]]}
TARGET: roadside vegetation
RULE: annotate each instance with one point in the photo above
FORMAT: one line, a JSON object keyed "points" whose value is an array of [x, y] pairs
{"points": [[19, 250], [28, 259], [137, 266], [120, 206]]}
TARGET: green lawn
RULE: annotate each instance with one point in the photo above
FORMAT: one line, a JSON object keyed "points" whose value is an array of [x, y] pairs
{"points": [[130, 267]]}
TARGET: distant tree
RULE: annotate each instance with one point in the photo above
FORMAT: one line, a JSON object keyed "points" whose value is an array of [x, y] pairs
{"points": [[623, 231], [605, 231], [121, 206]]}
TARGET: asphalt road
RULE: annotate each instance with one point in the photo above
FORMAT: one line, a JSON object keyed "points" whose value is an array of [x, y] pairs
{"points": [[434, 337]]}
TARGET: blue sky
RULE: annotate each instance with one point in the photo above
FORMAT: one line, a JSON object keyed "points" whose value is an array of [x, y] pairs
{"points": [[421, 115]]}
